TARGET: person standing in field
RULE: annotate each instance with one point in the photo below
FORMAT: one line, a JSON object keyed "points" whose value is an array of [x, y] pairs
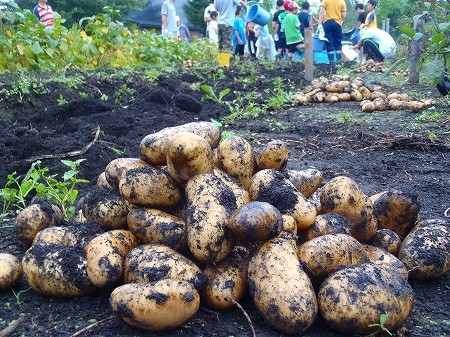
{"points": [[44, 13], [239, 40], [207, 15], [305, 18], [280, 43], [361, 20], [371, 18], [226, 10], [213, 29], [183, 31], [169, 26], [331, 17], [294, 39]]}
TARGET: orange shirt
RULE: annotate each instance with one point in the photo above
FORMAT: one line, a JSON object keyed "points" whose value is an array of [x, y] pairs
{"points": [[334, 8]]}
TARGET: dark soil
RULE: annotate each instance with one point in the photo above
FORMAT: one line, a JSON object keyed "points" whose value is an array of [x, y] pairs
{"points": [[381, 150]]}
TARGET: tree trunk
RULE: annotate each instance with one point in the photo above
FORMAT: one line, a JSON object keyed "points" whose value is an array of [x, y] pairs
{"points": [[416, 49]]}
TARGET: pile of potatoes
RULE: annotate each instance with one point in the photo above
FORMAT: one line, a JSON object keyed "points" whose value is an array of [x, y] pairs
{"points": [[372, 97], [196, 220], [372, 66]]}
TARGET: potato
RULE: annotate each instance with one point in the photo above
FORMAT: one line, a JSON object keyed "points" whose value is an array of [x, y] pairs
{"points": [[154, 226], [332, 98], [106, 208], [153, 262], [273, 186], [396, 210], [159, 306], [242, 196], [274, 155], [388, 240], [305, 181], [255, 221], [396, 104], [154, 146], [288, 225], [383, 258], [426, 249], [366, 93], [355, 297], [281, 290], [322, 255], [235, 157], [39, 215], [343, 196], [210, 205], [226, 279], [10, 271], [381, 104], [329, 223], [149, 187], [188, 155], [369, 107], [344, 97], [102, 182], [394, 95], [356, 95], [338, 86], [377, 94], [117, 168], [105, 256], [57, 271]]}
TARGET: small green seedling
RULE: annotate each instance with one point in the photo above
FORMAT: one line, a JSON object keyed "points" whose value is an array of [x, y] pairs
{"points": [[381, 327]]}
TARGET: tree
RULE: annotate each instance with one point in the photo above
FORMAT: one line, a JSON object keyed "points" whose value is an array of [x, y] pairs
{"points": [[194, 10]]}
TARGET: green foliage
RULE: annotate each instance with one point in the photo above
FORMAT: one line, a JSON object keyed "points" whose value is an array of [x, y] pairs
{"points": [[211, 94], [194, 10], [37, 182], [380, 325], [399, 12]]}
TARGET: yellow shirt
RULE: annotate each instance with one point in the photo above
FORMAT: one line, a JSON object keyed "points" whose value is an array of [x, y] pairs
{"points": [[334, 8], [373, 17]]}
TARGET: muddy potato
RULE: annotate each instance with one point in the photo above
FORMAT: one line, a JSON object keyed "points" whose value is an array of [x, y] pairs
{"points": [[383, 258], [281, 290], [105, 256], [102, 182], [396, 210], [226, 279], [395, 104], [388, 240], [305, 181], [343, 196], [154, 226], [356, 95], [274, 187], [187, 155], [322, 255], [10, 271], [425, 251], [344, 97], [117, 168], [353, 298], [57, 271], [338, 86], [332, 97], [366, 93], [159, 306], [153, 262], [235, 157], [34, 218], [242, 196], [149, 187], [106, 208], [255, 221], [274, 155], [210, 205], [328, 223], [288, 224], [369, 107]]}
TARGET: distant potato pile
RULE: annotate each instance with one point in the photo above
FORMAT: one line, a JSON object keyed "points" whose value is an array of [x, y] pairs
{"points": [[198, 220]]}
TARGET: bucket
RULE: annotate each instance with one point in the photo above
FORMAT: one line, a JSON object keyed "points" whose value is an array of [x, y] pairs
{"points": [[258, 15], [224, 59], [318, 44]]}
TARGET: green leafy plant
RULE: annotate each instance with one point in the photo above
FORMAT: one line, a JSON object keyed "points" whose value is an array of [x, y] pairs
{"points": [[224, 134], [18, 294], [62, 100], [380, 325], [37, 182], [211, 94]]}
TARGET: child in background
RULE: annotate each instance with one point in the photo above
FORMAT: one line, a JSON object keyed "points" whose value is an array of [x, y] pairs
{"points": [[263, 42], [213, 29], [238, 36], [251, 38], [294, 39], [305, 18]]}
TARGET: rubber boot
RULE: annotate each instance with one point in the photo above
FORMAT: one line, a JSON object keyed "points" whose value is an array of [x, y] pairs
{"points": [[331, 57]]}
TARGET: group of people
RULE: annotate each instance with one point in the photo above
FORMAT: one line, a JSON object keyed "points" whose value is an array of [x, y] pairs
{"points": [[172, 27]]}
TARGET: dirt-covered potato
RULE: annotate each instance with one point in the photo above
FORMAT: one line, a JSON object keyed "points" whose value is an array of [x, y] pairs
{"points": [[116, 169], [149, 187], [288, 224], [274, 155], [153, 262], [227, 279], [329, 223], [106, 208], [102, 182], [36, 217], [281, 290], [159, 306], [396, 210], [154, 226], [388, 240], [343, 196], [57, 271], [426, 249], [188, 155], [210, 205], [10, 271], [242, 196], [235, 156], [353, 298], [154, 146], [256, 221], [105, 256], [322, 255], [338, 86], [274, 187], [305, 181], [383, 258]]}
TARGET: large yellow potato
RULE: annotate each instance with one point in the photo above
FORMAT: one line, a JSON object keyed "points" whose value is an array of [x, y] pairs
{"points": [[162, 305], [388, 240], [352, 298], [273, 155], [305, 181], [281, 290], [116, 169], [329, 223], [10, 271], [242, 196], [383, 258]]}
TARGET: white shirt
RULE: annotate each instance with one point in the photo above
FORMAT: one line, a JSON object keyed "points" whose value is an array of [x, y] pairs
{"points": [[227, 11], [386, 43], [208, 11], [213, 34]]}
